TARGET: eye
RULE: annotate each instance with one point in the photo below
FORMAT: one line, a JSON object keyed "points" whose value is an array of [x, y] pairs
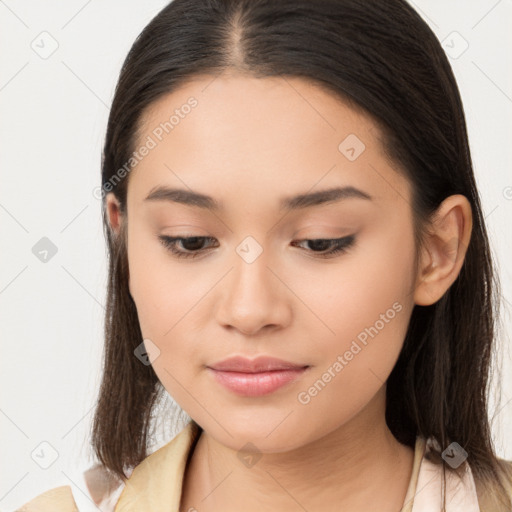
{"points": [[194, 246], [328, 247]]}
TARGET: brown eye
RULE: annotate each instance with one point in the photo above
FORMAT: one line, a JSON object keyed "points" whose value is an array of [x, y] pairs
{"points": [[338, 245], [193, 246]]}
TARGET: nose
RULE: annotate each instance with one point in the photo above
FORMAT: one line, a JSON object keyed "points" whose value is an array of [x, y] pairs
{"points": [[252, 298]]}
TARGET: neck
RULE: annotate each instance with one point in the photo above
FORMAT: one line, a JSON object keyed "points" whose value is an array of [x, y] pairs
{"points": [[346, 469]]}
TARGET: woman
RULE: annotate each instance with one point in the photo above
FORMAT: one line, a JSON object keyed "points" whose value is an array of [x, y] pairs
{"points": [[298, 257]]}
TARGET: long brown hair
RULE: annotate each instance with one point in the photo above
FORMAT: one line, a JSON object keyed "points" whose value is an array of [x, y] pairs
{"points": [[383, 59]]}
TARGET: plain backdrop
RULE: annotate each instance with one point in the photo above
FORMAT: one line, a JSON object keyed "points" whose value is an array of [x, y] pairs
{"points": [[54, 110]]}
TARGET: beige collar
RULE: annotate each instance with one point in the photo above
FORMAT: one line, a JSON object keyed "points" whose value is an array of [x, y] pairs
{"points": [[156, 483]]}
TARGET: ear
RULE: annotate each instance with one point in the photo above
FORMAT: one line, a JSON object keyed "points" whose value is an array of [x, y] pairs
{"points": [[116, 220], [444, 249], [114, 214]]}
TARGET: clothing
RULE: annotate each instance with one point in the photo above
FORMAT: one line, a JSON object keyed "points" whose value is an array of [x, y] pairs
{"points": [[155, 484]]}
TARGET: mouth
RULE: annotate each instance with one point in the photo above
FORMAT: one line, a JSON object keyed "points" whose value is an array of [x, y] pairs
{"points": [[260, 364], [257, 377]]}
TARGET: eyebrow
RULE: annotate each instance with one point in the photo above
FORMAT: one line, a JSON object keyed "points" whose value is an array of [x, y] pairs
{"points": [[297, 202]]}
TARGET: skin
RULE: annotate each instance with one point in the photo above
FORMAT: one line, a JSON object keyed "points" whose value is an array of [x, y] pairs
{"points": [[249, 143]]}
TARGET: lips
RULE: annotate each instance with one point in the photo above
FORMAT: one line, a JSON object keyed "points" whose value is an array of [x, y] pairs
{"points": [[260, 364], [255, 377]]}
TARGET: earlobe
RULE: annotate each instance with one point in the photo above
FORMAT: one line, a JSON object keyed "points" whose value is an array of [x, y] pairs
{"points": [[444, 249]]}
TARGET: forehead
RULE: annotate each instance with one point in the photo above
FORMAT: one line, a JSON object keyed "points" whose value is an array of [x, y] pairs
{"points": [[231, 133]]}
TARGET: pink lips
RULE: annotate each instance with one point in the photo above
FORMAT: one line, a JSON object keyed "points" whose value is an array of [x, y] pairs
{"points": [[255, 377]]}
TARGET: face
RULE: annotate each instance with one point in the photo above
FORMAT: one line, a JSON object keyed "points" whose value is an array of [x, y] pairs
{"points": [[254, 281]]}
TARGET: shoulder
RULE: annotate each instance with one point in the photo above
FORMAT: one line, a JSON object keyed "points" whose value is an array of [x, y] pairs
{"points": [[58, 499], [106, 491], [99, 486], [465, 488], [487, 495], [506, 474]]}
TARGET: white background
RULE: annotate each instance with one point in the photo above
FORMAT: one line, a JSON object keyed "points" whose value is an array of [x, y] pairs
{"points": [[53, 119]]}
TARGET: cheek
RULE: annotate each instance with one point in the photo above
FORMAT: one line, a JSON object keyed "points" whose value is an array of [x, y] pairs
{"points": [[159, 289], [167, 296], [145, 280], [350, 294], [366, 305], [354, 363]]}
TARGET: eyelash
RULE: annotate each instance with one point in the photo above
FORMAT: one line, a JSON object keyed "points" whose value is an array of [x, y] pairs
{"points": [[342, 245]]}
